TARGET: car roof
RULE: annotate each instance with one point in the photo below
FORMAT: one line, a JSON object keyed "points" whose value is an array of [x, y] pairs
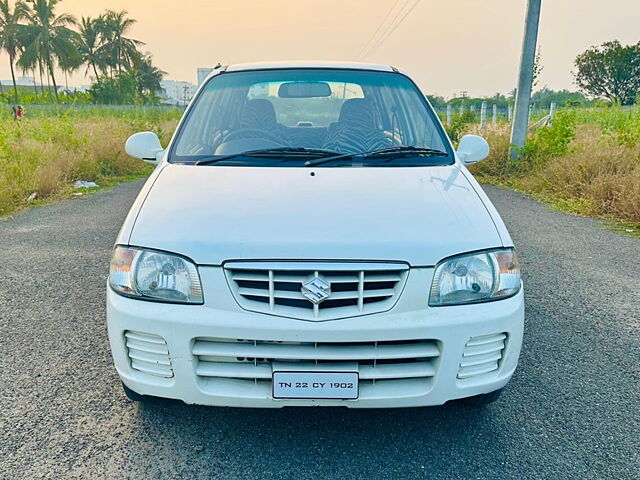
{"points": [[239, 67]]}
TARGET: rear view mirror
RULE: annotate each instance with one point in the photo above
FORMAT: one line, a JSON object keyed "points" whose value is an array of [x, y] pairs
{"points": [[472, 149], [304, 90], [145, 146]]}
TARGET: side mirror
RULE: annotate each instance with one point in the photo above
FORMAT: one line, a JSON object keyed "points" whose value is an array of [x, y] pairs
{"points": [[145, 146], [472, 149]]}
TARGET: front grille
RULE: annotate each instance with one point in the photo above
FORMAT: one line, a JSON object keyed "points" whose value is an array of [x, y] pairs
{"points": [[355, 288], [148, 353], [482, 355], [245, 367]]}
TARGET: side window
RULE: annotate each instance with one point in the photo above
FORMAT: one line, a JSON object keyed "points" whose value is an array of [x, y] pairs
{"points": [[259, 90], [407, 120], [345, 90]]}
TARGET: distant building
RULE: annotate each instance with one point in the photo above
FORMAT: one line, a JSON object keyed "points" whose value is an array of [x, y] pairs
{"points": [[30, 83], [23, 81], [177, 92], [20, 81], [81, 88]]}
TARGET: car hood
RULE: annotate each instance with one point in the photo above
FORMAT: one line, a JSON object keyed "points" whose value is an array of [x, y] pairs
{"points": [[211, 214]]}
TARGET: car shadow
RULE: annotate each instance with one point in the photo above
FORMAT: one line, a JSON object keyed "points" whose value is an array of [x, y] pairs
{"points": [[359, 443]]}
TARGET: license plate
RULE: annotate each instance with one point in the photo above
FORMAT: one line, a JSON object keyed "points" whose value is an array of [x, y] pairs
{"points": [[333, 385]]}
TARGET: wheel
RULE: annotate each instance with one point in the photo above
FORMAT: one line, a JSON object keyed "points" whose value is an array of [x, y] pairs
{"points": [[135, 396], [483, 400]]}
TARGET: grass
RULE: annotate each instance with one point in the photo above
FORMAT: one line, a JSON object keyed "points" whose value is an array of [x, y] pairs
{"points": [[149, 113], [587, 163], [42, 156]]}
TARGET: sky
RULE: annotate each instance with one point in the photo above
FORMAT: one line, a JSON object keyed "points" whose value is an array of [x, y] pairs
{"points": [[446, 46]]}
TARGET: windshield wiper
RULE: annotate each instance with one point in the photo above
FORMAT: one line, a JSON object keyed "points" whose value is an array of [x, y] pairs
{"points": [[267, 152], [394, 152]]}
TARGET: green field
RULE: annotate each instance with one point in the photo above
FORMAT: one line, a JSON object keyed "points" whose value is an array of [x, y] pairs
{"points": [[45, 152], [587, 162]]}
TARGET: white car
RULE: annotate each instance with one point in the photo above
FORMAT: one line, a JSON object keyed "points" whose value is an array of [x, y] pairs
{"points": [[310, 237]]}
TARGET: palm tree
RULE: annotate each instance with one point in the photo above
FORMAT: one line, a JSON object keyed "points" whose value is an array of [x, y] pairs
{"points": [[10, 31], [69, 65], [118, 51], [48, 39], [89, 44], [147, 76]]}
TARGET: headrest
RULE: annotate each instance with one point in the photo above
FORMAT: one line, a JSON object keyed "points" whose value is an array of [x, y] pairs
{"points": [[258, 113], [357, 108]]}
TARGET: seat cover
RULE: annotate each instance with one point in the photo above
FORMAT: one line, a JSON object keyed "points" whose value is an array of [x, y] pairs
{"points": [[357, 129]]}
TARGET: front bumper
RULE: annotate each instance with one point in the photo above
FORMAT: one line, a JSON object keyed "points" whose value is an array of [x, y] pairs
{"points": [[447, 332]]}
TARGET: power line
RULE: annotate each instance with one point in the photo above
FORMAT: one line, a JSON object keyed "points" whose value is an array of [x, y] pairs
{"points": [[386, 28], [364, 48], [392, 29]]}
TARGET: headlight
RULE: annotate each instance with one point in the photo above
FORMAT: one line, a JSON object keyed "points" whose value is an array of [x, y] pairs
{"points": [[152, 275], [475, 277]]}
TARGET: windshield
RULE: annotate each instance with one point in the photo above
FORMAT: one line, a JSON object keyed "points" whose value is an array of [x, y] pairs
{"points": [[284, 117]]}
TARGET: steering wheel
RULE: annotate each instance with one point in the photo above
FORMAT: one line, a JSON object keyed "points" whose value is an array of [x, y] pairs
{"points": [[252, 133]]}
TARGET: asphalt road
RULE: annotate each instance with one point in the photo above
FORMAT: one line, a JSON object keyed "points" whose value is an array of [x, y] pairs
{"points": [[571, 411]]}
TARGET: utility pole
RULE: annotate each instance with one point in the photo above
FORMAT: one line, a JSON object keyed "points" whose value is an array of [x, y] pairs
{"points": [[463, 95], [525, 79]]}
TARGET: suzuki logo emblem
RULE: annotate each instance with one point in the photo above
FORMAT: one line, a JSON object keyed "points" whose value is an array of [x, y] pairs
{"points": [[316, 290]]}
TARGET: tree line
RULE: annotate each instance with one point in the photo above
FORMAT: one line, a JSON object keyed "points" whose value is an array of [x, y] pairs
{"points": [[38, 39], [606, 73], [540, 99]]}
